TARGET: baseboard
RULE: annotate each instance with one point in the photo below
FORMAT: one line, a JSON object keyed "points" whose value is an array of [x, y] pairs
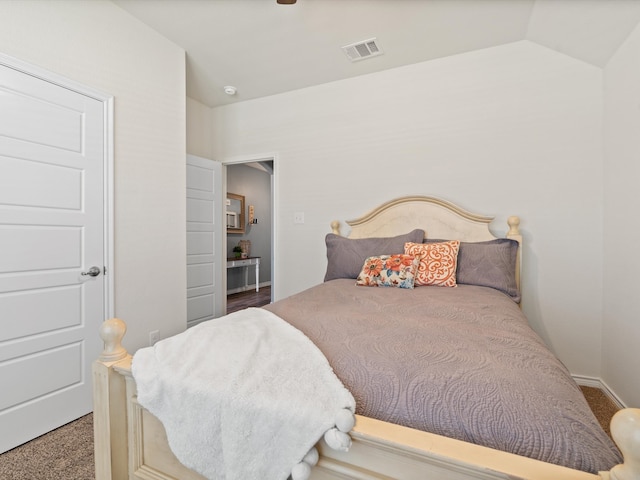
{"points": [[598, 383]]}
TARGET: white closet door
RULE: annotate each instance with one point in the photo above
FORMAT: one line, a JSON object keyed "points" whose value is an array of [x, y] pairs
{"points": [[51, 232], [205, 259]]}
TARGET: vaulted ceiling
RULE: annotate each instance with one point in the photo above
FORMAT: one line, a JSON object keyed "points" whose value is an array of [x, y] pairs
{"points": [[263, 48]]}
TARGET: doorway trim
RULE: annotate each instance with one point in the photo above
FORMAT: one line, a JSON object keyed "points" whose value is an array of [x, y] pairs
{"points": [[253, 158], [108, 200]]}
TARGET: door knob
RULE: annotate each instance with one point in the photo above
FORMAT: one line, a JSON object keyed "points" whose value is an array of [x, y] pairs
{"points": [[93, 272]]}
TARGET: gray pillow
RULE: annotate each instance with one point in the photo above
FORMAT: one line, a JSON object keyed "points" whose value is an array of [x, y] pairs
{"points": [[488, 264], [346, 256]]}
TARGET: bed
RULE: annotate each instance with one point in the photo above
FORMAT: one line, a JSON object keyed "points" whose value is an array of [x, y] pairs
{"points": [[469, 429]]}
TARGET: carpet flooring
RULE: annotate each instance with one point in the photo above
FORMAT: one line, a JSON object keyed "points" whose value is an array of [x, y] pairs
{"points": [[601, 405], [67, 452]]}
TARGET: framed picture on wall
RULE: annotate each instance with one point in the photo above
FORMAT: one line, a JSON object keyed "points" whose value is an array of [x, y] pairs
{"points": [[235, 213]]}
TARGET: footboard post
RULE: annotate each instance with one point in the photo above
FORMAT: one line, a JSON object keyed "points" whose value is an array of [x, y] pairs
{"points": [[109, 405], [625, 430]]}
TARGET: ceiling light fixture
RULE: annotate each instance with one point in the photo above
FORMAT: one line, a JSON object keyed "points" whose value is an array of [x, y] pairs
{"points": [[229, 90], [286, 2]]}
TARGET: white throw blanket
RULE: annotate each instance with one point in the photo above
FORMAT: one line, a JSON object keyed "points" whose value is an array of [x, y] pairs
{"points": [[245, 396]]}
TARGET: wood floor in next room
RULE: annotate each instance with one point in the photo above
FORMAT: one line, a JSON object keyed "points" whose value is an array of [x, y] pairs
{"points": [[250, 298]]}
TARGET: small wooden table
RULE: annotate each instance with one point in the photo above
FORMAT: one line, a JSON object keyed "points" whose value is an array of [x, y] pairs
{"points": [[246, 263]]}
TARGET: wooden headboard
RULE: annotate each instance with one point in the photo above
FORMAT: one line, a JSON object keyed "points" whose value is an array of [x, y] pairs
{"points": [[438, 218]]}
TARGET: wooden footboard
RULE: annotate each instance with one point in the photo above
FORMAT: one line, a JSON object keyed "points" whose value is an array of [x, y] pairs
{"points": [[130, 443]]}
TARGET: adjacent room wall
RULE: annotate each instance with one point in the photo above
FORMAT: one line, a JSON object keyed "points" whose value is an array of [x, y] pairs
{"points": [[510, 130], [621, 325], [98, 44], [255, 185]]}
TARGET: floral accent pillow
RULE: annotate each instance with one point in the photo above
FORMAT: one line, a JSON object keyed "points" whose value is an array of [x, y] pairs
{"points": [[437, 262], [388, 271]]}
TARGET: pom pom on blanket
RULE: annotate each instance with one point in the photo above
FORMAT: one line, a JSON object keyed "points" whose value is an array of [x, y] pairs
{"points": [[345, 420], [301, 471], [312, 457], [337, 437], [337, 440]]}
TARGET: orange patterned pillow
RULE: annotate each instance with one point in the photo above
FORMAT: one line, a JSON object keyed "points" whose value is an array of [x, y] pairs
{"points": [[437, 262]]}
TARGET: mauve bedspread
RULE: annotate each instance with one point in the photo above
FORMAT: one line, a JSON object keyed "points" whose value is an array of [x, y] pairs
{"points": [[460, 362]]}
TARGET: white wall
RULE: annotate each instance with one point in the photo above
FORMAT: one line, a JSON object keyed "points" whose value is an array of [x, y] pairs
{"points": [[621, 325], [98, 44], [511, 130], [199, 129]]}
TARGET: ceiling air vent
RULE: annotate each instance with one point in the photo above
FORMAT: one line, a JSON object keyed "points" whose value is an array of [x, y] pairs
{"points": [[361, 50]]}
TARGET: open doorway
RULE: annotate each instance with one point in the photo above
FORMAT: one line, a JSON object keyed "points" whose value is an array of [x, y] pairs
{"points": [[250, 234]]}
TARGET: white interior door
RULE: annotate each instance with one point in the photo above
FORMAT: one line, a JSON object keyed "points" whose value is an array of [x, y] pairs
{"points": [[206, 260], [52, 160]]}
